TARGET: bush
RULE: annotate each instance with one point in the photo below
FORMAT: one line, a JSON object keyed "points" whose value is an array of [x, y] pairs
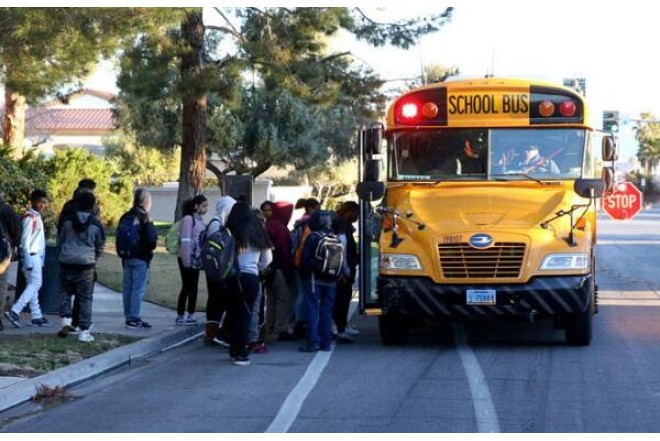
{"points": [[69, 166]]}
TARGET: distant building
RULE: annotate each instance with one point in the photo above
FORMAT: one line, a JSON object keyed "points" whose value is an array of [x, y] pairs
{"points": [[81, 119]]}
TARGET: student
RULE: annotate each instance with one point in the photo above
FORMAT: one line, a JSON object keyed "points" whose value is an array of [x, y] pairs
{"points": [[254, 254], [10, 222], [136, 269], [33, 252], [81, 240], [216, 304], [319, 292], [278, 286], [192, 226], [88, 185], [347, 214]]}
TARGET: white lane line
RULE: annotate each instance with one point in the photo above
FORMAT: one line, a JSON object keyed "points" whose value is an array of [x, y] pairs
{"points": [[293, 403], [482, 402], [290, 409]]}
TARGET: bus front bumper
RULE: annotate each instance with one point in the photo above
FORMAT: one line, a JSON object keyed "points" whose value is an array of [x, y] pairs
{"points": [[540, 297]]}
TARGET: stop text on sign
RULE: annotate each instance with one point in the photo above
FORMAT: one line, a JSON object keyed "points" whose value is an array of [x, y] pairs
{"points": [[625, 202]]}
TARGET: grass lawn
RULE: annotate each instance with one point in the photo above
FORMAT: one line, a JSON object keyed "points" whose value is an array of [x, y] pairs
{"points": [[36, 354], [164, 278]]}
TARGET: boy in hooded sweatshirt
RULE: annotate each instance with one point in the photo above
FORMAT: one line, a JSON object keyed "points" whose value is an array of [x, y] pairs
{"points": [[81, 239], [136, 269], [279, 308]]}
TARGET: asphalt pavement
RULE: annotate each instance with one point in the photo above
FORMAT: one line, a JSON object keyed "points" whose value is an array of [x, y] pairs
{"points": [[107, 318]]}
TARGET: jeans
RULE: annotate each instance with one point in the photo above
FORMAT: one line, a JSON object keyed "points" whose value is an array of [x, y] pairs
{"points": [[253, 335], [134, 284], [319, 304], [78, 284], [33, 281]]}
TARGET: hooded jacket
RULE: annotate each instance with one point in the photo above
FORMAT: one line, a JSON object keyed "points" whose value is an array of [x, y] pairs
{"points": [[81, 240], [278, 232]]}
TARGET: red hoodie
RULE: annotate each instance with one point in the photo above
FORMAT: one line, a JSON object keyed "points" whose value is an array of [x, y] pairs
{"points": [[278, 231]]}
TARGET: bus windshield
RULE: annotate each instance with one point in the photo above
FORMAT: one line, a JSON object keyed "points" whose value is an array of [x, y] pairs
{"points": [[485, 154]]}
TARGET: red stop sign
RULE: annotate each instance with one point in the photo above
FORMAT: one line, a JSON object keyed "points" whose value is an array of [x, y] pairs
{"points": [[624, 202]]}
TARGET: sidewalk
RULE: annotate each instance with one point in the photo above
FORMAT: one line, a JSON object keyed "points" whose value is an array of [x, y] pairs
{"points": [[108, 318]]}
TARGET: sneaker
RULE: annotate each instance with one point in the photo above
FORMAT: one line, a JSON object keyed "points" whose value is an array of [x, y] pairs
{"points": [[241, 360], [85, 336], [180, 321], [43, 321], [352, 331], [137, 324], [190, 320], [257, 347], [13, 318], [309, 348], [344, 337]]}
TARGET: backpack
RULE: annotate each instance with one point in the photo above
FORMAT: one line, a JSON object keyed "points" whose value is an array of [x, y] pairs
{"points": [[328, 256], [218, 254], [173, 238], [128, 236], [5, 250]]}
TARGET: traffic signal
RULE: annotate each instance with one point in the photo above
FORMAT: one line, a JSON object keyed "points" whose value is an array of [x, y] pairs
{"points": [[611, 121]]}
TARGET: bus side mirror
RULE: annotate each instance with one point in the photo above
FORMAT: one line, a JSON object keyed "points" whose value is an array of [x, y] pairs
{"points": [[609, 149], [374, 139], [370, 191], [372, 170], [588, 188], [608, 178]]}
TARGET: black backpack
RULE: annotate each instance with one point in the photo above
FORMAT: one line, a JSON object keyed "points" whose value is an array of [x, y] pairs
{"points": [[328, 256], [218, 254], [5, 250], [128, 236]]}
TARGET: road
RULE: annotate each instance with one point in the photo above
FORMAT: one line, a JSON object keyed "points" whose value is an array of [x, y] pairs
{"points": [[514, 377]]}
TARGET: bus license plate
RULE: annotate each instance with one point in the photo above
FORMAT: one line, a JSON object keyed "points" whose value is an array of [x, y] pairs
{"points": [[481, 297]]}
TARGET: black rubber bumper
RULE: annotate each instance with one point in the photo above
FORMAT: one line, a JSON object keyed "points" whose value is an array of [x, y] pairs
{"points": [[540, 297]]}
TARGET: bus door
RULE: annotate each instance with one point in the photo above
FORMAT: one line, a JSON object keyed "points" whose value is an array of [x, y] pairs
{"points": [[370, 189]]}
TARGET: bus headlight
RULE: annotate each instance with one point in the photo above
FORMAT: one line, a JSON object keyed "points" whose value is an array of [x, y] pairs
{"points": [[565, 262], [399, 262]]}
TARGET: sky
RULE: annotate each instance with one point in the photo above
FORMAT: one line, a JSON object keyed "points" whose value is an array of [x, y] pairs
{"points": [[610, 44]]}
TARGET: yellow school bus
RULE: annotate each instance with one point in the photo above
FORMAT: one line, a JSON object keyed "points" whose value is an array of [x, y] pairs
{"points": [[478, 203]]}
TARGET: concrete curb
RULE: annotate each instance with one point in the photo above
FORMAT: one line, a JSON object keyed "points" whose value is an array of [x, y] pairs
{"points": [[24, 390]]}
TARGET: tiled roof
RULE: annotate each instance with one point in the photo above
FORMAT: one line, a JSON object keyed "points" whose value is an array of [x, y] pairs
{"points": [[48, 121]]}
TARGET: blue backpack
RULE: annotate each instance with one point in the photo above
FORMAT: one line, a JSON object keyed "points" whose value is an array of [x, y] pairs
{"points": [[128, 236]]}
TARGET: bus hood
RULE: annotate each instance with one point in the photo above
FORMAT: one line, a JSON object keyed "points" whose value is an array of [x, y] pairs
{"points": [[455, 209]]}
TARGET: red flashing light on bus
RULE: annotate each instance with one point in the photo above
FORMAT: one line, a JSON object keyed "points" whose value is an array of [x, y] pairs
{"points": [[567, 108], [409, 110]]}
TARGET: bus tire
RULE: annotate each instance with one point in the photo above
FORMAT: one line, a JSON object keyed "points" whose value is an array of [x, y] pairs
{"points": [[393, 329], [579, 327]]}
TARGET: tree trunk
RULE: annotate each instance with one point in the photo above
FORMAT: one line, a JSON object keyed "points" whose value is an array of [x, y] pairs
{"points": [[13, 123], [193, 150]]}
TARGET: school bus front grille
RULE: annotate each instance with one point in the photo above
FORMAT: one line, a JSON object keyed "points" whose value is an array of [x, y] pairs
{"points": [[461, 261]]}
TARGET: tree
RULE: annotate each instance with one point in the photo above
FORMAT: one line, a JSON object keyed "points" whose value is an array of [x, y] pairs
{"points": [[647, 134], [43, 50], [285, 51]]}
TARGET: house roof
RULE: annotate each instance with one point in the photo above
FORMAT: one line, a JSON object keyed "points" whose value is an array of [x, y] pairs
{"points": [[48, 121]]}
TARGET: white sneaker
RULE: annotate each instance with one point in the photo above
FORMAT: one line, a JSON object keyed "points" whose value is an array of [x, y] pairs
{"points": [[85, 336]]}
